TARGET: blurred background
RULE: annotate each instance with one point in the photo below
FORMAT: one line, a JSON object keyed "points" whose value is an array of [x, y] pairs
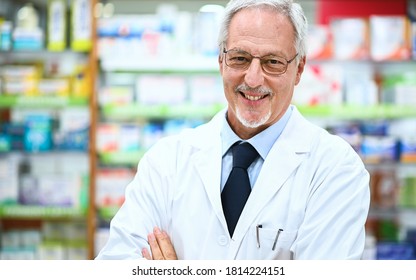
{"points": [[87, 86]]}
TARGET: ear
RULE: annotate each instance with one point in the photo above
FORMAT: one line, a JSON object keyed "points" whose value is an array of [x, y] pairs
{"points": [[301, 67], [220, 62]]}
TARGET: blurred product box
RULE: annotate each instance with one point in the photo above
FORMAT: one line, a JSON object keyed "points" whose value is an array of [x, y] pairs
{"points": [[384, 186], [52, 250], [9, 179], [54, 87], [152, 132], [21, 72], [107, 137], [321, 84], [21, 79], [59, 190], [73, 130], [18, 254], [161, 89], [116, 95], [100, 237], [27, 87], [118, 137], [129, 137], [10, 239], [76, 251], [30, 239], [407, 195], [395, 251], [29, 40], [5, 142], [63, 240], [81, 27], [81, 81], [111, 184], [360, 88], [50, 190], [56, 26], [375, 149], [414, 40], [399, 89], [38, 133], [390, 38], [16, 132], [206, 90], [6, 28], [20, 244], [408, 149], [74, 231], [319, 42], [350, 38]]}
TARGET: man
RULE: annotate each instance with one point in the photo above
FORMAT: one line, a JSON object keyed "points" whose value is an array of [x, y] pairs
{"points": [[309, 190]]}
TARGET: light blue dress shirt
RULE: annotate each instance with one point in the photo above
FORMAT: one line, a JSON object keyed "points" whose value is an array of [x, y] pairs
{"points": [[262, 142]]}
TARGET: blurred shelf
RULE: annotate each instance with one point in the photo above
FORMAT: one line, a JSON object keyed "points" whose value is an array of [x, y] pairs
{"points": [[171, 64], [43, 212], [130, 158], [40, 52], [136, 111], [391, 213], [7, 101], [359, 112], [361, 61]]}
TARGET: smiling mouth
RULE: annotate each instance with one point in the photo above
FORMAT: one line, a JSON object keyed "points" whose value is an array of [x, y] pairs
{"points": [[253, 97]]}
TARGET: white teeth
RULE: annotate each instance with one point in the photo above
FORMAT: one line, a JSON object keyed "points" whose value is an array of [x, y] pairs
{"points": [[252, 98]]}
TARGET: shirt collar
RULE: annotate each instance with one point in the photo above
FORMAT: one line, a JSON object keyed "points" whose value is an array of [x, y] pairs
{"points": [[262, 142]]}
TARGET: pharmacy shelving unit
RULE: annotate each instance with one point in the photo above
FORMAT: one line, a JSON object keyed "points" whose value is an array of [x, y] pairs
{"points": [[14, 216], [137, 113]]}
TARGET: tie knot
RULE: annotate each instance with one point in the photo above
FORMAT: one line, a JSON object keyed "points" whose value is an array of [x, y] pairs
{"points": [[243, 155]]}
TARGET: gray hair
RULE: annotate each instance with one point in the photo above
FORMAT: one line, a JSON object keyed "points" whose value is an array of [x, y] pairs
{"points": [[293, 11]]}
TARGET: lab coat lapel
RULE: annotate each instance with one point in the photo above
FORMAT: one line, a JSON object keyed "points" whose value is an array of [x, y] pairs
{"points": [[207, 162], [284, 157]]}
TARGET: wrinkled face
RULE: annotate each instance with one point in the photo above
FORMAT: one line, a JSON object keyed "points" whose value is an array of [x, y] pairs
{"points": [[256, 99]]}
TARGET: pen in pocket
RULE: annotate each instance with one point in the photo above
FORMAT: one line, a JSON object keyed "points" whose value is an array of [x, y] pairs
{"points": [[276, 238], [258, 235]]}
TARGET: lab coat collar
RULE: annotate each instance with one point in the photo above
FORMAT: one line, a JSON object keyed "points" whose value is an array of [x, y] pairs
{"points": [[285, 156]]}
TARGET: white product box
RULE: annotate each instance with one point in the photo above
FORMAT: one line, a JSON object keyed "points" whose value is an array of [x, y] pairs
{"points": [[350, 38], [161, 89], [390, 38], [206, 90], [111, 184]]}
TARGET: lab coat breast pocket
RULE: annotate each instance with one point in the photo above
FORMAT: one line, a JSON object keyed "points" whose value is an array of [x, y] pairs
{"points": [[273, 243]]}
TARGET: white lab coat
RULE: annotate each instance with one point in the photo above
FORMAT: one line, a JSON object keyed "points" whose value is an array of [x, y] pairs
{"points": [[312, 185]]}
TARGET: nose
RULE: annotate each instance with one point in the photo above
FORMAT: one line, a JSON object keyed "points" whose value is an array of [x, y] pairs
{"points": [[254, 75]]}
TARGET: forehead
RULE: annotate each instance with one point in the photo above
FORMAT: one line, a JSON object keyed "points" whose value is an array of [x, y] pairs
{"points": [[261, 28]]}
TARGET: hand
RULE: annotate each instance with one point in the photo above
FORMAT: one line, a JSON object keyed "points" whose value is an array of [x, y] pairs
{"points": [[160, 245]]}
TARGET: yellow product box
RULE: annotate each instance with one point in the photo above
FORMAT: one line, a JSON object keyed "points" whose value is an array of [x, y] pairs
{"points": [[26, 87], [56, 32], [81, 82], [54, 87], [21, 72], [81, 28]]}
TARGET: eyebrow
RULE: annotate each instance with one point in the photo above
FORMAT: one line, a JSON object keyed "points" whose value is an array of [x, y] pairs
{"points": [[279, 54]]}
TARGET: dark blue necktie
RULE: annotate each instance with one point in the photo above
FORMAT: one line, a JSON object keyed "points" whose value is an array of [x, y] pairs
{"points": [[237, 188]]}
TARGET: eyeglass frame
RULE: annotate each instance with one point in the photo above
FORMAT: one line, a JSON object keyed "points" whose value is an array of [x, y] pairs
{"points": [[261, 58]]}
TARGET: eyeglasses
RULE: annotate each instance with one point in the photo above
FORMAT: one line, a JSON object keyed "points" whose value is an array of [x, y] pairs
{"points": [[271, 64]]}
